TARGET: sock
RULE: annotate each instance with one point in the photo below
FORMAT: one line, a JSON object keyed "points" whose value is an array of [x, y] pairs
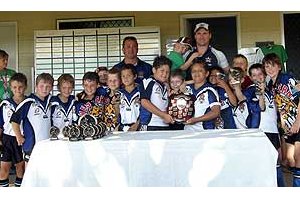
{"points": [[18, 182], [296, 177], [280, 178], [4, 183]]}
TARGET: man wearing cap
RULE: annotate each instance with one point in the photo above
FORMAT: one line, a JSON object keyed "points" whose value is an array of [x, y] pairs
{"points": [[204, 51], [130, 51], [182, 45]]}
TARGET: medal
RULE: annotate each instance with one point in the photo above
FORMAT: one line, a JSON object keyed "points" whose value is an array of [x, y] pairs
{"points": [[45, 116], [128, 109]]}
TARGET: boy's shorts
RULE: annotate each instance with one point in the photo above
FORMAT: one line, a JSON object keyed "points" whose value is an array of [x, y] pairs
{"points": [[12, 152], [291, 139], [275, 139]]}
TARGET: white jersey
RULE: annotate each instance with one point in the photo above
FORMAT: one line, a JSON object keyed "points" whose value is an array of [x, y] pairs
{"points": [[129, 106], [7, 107]]}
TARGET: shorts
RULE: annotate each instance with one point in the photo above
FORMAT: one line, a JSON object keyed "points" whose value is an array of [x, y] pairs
{"points": [[11, 152], [291, 139], [275, 139], [158, 128]]}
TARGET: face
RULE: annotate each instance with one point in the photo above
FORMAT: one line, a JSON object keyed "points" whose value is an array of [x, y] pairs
{"points": [[175, 82], [130, 49], [17, 88], [202, 37], [113, 81], [257, 75], [162, 73], [241, 63], [43, 88], [213, 77], [199, 74], [3, 63], [90, 87], [66, 89], [180, 48], [103, 76], [127, 77], [272, 70]]}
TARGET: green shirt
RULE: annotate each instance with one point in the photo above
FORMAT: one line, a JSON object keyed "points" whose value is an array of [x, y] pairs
{"points": [[5, 76], [177, 60]]}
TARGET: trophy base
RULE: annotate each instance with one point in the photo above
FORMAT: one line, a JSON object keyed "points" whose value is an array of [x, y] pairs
{"points": [[73, 139], [53, 138], [88, 138]]}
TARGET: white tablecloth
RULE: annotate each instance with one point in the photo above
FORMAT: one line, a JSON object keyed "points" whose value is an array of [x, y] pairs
{"points": [[174, 158]]}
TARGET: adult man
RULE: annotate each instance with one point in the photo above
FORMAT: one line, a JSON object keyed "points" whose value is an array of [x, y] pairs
{"points": [[130, 50], [5, 75], [204, 51]]}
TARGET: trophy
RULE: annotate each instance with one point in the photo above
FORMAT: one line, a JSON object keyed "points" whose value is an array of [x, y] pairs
{"points": [[258, 90], [221, 76], [75, 133], [235, 75], [54, 131], [181, 107]]}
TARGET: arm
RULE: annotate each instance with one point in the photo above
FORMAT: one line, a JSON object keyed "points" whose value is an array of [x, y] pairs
{"points": [[232, 98], [238, 92], [213, 114], [17, 130], [189, 62], [153, 109], [296, 126]]}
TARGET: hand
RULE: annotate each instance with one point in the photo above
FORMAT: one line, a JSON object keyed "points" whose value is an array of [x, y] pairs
{"points": [[295, 128], [192, 121], [20, 140], [168, 119], [133, 127], [221, 83]]}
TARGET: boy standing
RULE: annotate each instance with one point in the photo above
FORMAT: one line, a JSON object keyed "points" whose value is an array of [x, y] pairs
{"points": [[12, 152], [35, 115]]}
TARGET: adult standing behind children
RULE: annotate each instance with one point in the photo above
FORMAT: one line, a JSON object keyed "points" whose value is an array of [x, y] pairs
{"points": [[5, 75], [204, 51], [130, 51]]}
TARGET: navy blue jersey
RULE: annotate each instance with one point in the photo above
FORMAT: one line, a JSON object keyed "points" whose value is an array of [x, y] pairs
{"points": [[35, 114], [206, 98], [62, 114], [211, 57], [226, 109], [156, 92], [129, 106], [286, 98], [7, 108], [247, 113], [143, 70]]}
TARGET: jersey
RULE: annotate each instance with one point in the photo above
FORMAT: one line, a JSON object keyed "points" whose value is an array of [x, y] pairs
{"points": [[177, 60], [129, 106], [206, 98], [143, 70], [211, 57], [247, 113], [36, 117], [156, 92], [286, 99], [226, 109], [5, 76], [7, 108], [62, 114]]}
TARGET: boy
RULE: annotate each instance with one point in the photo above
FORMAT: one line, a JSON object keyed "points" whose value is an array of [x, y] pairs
{"points": [[35, 115], [286, 96], [207, 105], [12, 152], [129, 100], [240, 61], [154, 97], [102, 73], [268, 118], [112, 108], [227, 98], [5, 75], [63, 109]]}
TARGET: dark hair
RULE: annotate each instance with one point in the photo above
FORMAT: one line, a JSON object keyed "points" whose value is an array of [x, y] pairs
{"points": [[115, 70], [272, 59], [129, 38], [101, 69], [65, 78], [129, 67], [218, 68], [201, 62], [3, 54], [46, 77], [240, 56], [177, 72], [256, 66], [92, 76], [161, 60], [19, 77]]}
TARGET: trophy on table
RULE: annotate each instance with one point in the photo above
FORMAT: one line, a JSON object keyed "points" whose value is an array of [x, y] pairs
{"points": [[181, 107], [54, 131]]}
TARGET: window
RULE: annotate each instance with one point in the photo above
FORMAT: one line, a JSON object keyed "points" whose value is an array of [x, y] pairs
{"points": [[78, 51]]}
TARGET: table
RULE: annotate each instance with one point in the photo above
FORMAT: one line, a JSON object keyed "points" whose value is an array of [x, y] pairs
{"points": [[224, 158]]}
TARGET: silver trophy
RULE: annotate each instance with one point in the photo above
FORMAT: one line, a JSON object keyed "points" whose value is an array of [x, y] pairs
{"points": [[54, 131], [235, 75]]}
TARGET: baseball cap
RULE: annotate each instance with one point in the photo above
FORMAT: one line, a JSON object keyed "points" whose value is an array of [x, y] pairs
{"points": [[185, 40], [201, 25]]}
